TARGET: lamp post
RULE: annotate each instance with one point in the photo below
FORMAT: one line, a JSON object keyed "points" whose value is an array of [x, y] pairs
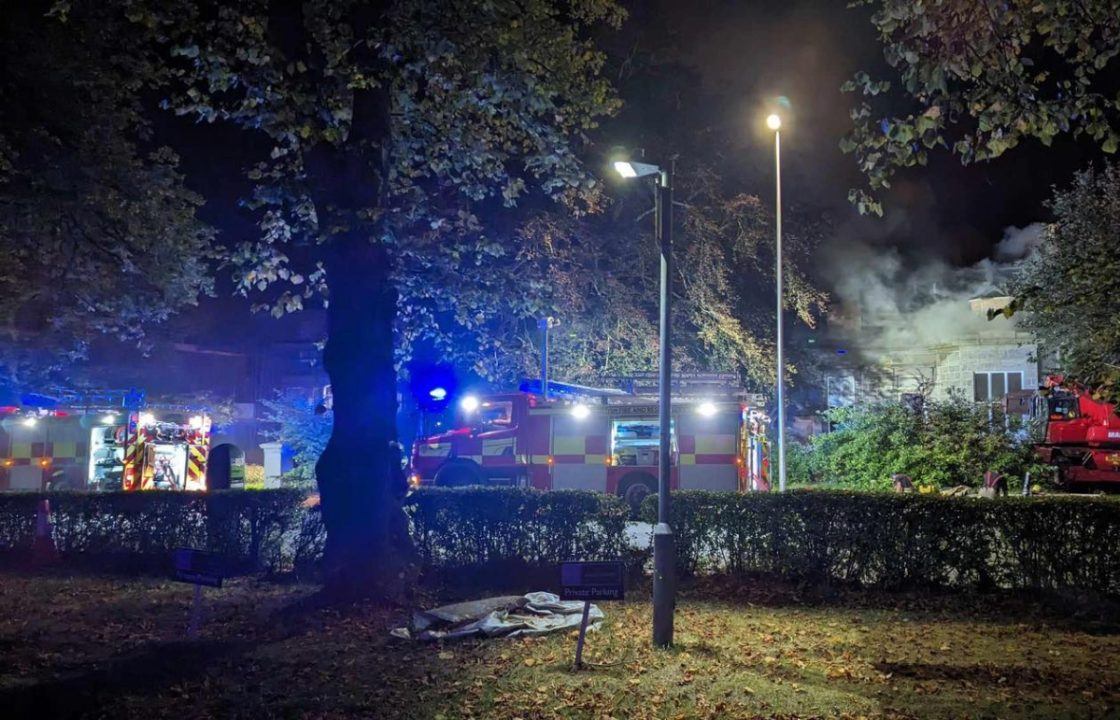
{"points": [[664, 575], [774, 122]]}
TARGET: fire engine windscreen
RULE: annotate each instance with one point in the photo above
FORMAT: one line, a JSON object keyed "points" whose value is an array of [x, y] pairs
{"points": [[637, 442], [490, 414]]}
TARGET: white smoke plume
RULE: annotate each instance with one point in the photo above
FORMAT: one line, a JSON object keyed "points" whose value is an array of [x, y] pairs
{"points": [[892, 304]]}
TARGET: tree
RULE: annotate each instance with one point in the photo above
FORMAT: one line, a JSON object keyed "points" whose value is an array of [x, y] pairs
{"points": [[980, 76], [1068, 291], [304, 426], [602, 283], [949, 443], [393, 130], [98, 235]]}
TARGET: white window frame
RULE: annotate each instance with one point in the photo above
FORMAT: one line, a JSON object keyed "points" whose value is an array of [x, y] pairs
{"points": [[1006, 385]]}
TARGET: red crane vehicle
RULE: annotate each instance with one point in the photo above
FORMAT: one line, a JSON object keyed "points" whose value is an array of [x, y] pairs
{"points": [[1082, 435], [602, 439]]}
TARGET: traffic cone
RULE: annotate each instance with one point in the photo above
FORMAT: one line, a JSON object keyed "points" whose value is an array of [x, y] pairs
{"points": [[43, 550]]}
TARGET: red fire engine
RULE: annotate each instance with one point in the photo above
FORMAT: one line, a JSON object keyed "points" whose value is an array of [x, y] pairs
{"points": [[1082, 435], [596, 439], [102, 441]]}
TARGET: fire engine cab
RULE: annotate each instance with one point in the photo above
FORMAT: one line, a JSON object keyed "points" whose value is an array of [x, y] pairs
{"points": [[603, 439]]}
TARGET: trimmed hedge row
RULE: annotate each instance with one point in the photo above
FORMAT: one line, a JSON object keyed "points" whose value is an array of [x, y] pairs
{"points": [[900, 541], [470, 527], [252, 529], [453, 529]]}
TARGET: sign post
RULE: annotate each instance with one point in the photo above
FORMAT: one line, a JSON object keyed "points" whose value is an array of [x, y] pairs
{"points": [[589, 581], [198, 568]]}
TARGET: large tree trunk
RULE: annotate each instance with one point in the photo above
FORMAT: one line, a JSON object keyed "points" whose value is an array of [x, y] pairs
{"points": [[361, 486], [368, 550]]}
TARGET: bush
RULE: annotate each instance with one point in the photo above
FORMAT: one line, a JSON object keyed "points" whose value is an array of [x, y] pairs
{"points": [[950, 443], [249, 528], [476, 526], [899, 541], [518, 530]]}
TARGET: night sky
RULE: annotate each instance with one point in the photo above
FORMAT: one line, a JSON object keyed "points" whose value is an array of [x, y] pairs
{"points": [[745, 53]]}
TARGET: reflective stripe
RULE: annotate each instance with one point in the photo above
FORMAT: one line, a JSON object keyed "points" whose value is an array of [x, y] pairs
{"points": [[503, 446]]}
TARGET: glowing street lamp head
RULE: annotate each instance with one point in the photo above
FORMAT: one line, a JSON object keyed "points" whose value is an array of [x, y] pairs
{"points": [[629, 169], [625, 169], [706, 409], [580, 412], [438, 393], [773, 121], [469, 403]]}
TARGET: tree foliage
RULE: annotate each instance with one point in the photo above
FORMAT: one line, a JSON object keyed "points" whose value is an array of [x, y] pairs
{"points": [[396, 135], [981, 76], [296, 420], [98, 234], [602, 282], [1069, 289], [950, 443]]}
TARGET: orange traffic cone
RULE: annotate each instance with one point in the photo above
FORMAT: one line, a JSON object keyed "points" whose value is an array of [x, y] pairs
{"points": [[43, 550]]}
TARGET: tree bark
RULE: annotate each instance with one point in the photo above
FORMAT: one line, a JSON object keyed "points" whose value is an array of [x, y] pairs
{"points": [[368, 549]]}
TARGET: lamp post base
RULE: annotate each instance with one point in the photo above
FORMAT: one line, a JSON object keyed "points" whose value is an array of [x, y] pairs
{"points": [[664, 580]]}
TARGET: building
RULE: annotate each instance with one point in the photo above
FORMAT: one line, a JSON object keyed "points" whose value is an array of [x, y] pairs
{"points": [[939, 353]]}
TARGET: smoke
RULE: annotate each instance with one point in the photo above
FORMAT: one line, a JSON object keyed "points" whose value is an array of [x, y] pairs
{"points": [[889, 302]]}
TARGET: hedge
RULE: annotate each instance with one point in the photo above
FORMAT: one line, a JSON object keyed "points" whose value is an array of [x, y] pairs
{"points": [[900, 541], [252, 529], [453, 529], [472, 527]]}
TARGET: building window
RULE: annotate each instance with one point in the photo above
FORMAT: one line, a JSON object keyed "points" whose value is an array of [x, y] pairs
{"points": [[987, 386]]}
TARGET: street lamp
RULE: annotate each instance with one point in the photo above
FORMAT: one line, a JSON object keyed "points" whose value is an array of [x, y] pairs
{"points": [[663, 572], [774, 122]]}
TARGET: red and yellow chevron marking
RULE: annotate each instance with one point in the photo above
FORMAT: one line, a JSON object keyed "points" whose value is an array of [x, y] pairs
{"points": [[196, 467], [133, 456]]}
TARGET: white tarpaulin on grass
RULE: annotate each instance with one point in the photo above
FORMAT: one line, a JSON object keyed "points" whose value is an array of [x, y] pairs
{"points": [[535, 613]]}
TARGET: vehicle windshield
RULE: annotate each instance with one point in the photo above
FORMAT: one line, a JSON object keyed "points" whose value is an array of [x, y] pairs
{"points": [[491, 414], [1063, 408]]}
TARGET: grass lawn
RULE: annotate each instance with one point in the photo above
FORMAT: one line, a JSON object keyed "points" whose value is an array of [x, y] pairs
{"points": [[114, 648]]}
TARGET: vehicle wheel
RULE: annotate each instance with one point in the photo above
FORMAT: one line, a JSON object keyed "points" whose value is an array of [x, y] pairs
{"points": [[636, 488], [458, 476]]}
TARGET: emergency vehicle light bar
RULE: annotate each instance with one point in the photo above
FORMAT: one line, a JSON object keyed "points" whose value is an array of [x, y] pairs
{"points": [[570, 389]]}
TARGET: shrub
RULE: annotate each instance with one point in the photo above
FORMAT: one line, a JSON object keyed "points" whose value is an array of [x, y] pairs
{"points": [[454, 529], [473, 527], [950, 443], [899, 541], [247, 527]]}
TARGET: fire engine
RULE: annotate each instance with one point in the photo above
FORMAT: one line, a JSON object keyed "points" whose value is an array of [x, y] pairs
{"points": [[107, 440], [1081, 435], [601, 439]]}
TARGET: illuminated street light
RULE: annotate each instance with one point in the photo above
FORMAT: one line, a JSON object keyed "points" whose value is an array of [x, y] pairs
{"points": [[706, 409], [664, 574], [774, 122], [581, 412], [469, 403], [438, 393]]}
